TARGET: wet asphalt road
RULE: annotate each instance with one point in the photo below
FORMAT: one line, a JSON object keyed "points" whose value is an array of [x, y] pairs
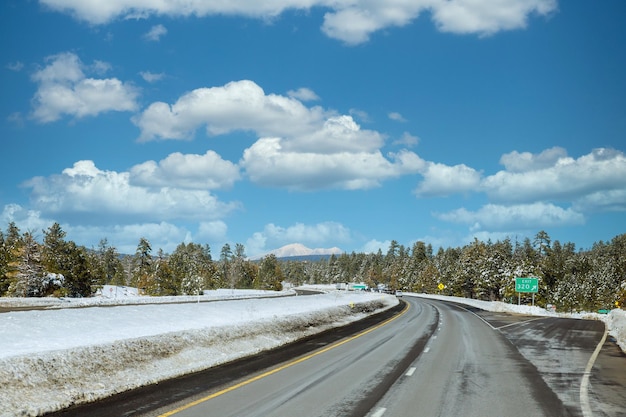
{"points": [[437, 359]]}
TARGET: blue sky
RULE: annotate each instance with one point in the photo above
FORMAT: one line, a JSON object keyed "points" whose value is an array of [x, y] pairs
{"points": [[334, 124]]}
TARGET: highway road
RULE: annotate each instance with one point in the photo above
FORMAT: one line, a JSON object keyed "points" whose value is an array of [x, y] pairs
{"points": [[434, 358]]}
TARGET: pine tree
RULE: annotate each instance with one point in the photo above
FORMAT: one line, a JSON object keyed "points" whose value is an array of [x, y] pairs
{"points": [[270, 275], [142, 265], [28, 280]]}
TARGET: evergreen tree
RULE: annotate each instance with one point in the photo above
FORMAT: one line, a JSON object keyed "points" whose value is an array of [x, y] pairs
{"points": [[10, 252], [76, 269], [54, 248], [142, 265], [107, 265], [270, 275], [29, 277]]}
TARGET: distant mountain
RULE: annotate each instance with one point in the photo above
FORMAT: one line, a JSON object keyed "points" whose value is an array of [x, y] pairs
{"points": [[298, 250]]}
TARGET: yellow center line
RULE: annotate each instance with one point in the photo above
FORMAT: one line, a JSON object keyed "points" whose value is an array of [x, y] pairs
{"points": [[282, 367]]}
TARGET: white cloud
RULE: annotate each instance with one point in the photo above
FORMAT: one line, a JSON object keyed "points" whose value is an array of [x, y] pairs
{"points": [[487, 17], [100, 195], [526, 161], [155, 33], [124, 237], [593, 182], [442, 180], [523, 216], [336, 134], [374, 245], [151, 77], [553, 176], [352, 22], [408, 140], [300, 147], [63, 89], [214, 231], [268, 163], [190, 171], [238, 105], [25, 219], [303, 94], [396, 116]]}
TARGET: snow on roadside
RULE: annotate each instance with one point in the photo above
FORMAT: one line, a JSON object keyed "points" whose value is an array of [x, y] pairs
{"points": [[50, 359], [111, 295]]}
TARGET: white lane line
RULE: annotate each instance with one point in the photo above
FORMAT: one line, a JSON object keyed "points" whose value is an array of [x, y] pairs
{"points": [[410, 372], [584, 384], [379, 412], [426, 350]]}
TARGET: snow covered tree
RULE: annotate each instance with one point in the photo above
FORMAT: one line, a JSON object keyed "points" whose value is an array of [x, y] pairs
{"points": [[192, 268], [270, 275], [164, 282], [76, 269], [142, 265], [10, 250], [54, 246], [107, 266], [28, 280]]}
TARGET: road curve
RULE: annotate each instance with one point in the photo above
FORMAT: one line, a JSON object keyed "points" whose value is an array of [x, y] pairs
{"points": [[436, 359]]}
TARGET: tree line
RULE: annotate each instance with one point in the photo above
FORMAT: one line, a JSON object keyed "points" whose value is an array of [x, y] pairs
{"points": [[58, 267], [569, 279]]}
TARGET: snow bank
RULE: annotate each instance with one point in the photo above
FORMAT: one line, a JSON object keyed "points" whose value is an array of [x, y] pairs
{"points": [[111, 295], [50, 359]]}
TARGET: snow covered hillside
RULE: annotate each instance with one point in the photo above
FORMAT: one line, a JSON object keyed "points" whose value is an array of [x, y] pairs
{"points": [[56, 356]]}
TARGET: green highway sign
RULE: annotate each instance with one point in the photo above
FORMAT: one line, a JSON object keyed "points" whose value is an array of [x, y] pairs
{"points": [[527, 285]]}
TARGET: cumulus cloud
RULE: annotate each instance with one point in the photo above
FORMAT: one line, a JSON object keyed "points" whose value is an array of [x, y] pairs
{"points": [[100, 195], [238, 105], [522, 216], [592, 182], [267, 163], [350, 22], [548, 189], [441, 180], [64, 89], [190, 171], [486, 17], [554, 176], [155, 33], [526, 161], [299, 147]]}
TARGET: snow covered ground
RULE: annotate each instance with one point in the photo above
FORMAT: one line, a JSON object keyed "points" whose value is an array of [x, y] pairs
{"points": [[58, 355], [53, 357]]}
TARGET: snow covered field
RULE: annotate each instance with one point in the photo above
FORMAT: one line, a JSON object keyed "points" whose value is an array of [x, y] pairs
{"points": [[58, 355]]}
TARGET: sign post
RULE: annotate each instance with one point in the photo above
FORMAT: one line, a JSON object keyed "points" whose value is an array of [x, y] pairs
{"points": [[526, 285]]}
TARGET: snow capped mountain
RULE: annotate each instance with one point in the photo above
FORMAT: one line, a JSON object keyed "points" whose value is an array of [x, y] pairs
{"points": [[298, 249]]}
